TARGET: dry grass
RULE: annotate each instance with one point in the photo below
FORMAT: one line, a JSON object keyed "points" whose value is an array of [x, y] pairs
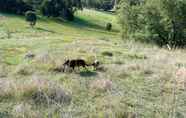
{"points": [[133, 80], [24, 110], [24, 69], [41, 91], [3, 70], [101, 85], [143, 87]]}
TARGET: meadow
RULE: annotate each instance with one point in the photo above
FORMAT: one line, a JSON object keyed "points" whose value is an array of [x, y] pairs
{"points": [[135, 80]]}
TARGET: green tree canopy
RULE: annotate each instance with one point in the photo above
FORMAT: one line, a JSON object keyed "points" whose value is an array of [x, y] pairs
{"points": [[14, 6], [160, 21], [99, 4], [63, 8]]}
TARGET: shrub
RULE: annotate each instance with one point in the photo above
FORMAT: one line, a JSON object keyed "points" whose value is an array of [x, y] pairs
{"points": [[24, 110], [107, 53], [161, 21], [60, 8], [3, 71], [101, 85], [31, 18], [45, 61], [40, 91], [108, 26], [24, 69], [14, 6]]}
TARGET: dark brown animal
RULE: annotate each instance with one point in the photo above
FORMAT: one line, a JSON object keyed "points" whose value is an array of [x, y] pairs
{"points": [[79, 63], [75, 63]]}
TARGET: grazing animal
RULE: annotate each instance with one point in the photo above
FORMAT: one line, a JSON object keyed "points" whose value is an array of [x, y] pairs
{"points": [[96, 64], [79, 63], [75, 63]]}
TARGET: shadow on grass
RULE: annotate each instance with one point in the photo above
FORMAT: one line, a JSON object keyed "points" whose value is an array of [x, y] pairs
{"points": [[45, 30], [82, 23], [87, 73]]}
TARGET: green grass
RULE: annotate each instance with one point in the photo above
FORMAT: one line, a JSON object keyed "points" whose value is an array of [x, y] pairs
{"points": [[142, 77]]}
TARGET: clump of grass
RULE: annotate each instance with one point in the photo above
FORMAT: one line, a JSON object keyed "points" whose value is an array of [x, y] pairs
{"points": [[57, 65], [3, 71], [101, 85], [43, 57], [24, 110], [7, 90], [24, 69], [137, 56], [107, 53], [44, 61], [181, 78], [40, 91], [133, 67]]}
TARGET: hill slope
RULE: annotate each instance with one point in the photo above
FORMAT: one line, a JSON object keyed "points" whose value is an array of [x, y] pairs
{"points": [[134, 79]]}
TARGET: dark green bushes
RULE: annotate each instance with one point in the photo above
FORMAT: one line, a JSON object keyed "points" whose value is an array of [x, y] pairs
{"points": [[159, 21], [109, 26], [14, 6], [54, 8], [60, 8], [99, 4]]}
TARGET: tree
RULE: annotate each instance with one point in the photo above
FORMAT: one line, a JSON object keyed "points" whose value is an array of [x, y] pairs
{"points": [[109, 26], [99, 4], [31, 18], [61, 8], [161, 21], [14, 6]]}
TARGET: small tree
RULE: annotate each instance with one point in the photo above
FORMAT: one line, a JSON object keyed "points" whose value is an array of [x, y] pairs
{"points": [[31, 18], [108, 26], [61, 8]]}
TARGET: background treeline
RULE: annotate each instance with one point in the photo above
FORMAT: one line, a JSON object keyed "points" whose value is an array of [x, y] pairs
{"points": [[14, 6], [159, 21], [99, 4], [54, 8]]}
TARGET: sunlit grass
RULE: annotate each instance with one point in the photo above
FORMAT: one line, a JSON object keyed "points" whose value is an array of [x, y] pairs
{"points": [[134, 79]]}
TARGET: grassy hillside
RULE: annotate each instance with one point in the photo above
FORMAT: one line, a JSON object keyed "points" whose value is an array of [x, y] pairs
{"points": [[134, 79]]}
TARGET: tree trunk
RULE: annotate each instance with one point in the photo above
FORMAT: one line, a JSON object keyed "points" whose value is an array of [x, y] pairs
{"points": [[115, 5]]}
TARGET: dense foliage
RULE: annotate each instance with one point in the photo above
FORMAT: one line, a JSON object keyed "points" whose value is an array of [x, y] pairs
{"points": [[14, 6], [55, 8], [63, 8], [160, 21], [108, 26], [99, 4]]}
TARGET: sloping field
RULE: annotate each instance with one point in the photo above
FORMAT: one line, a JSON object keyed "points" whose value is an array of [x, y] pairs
{"points": [[133, 80]]}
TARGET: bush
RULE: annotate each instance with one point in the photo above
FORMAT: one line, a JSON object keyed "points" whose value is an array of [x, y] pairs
{"points": [[40, 91], [108, 26], [101, 85], [60, 8], [107, 53], [14, 6], [31, 18], [162, 21], [23, 69], [105, 5]]}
